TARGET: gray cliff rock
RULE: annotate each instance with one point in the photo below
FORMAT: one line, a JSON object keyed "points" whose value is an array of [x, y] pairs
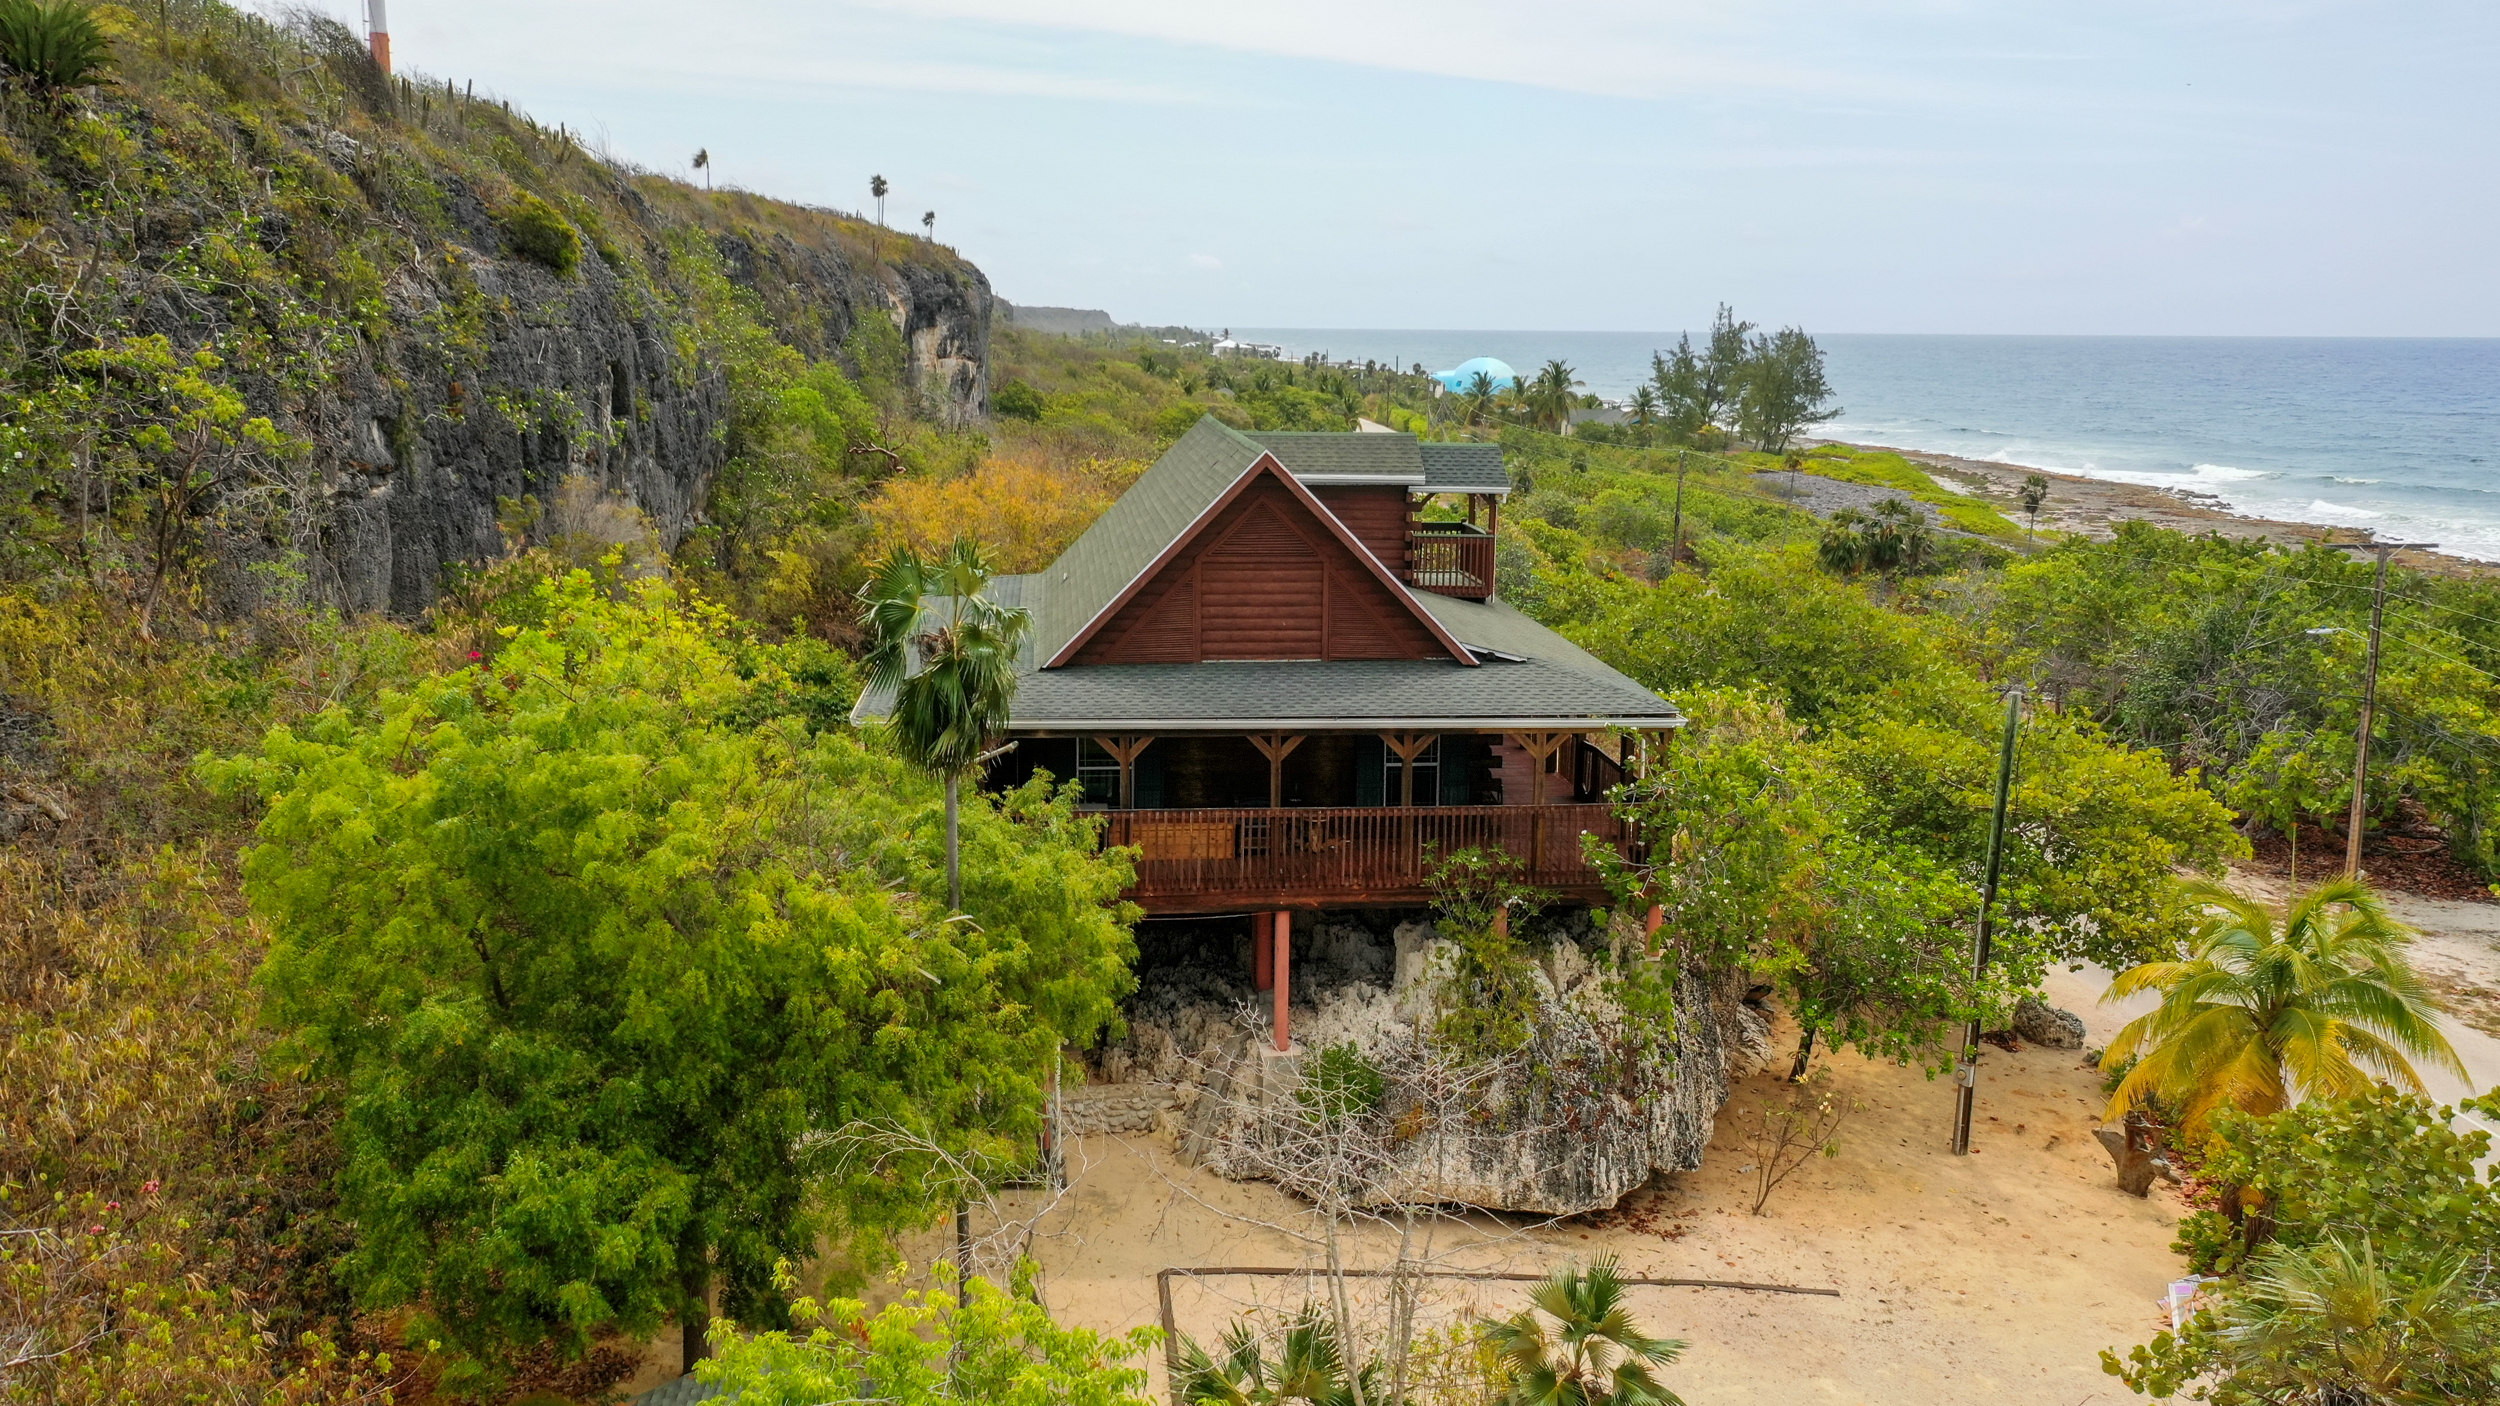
{"points": [[1574, 1127]]}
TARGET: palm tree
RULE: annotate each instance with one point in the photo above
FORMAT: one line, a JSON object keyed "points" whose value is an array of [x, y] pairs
{"points": [[928, 221], [1899, 538], [945, 713], [1548, 396], [703, 163], [1593, 1355], [1644, 410], [2330, 1322], [1842, 550], [1309, 1366], [1480, 395], [53, 45], [2318, 1001], [877, 187], [2033, 493]]}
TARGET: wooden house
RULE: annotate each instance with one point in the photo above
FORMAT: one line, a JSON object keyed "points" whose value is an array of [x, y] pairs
{"points": [[1290, 688]]}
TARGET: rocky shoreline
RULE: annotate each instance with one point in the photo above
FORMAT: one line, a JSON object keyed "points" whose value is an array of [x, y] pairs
{"points": [[2093, 507]]}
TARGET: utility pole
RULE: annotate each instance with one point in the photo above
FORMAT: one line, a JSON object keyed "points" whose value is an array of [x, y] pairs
{"points": [[1968, 1074], [1676, 554], [2369, 697]]}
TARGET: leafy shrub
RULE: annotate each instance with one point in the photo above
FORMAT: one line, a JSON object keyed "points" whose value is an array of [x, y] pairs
{"points": [[1017, 400], [1342, 1084], [542, 235], [55, 45]]}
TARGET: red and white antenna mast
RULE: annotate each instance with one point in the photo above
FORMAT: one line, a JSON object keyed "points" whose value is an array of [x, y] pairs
{"points": [[378, 25]]}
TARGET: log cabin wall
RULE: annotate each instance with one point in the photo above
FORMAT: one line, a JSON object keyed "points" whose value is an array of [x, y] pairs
{"points": [[1376, 517], [1265, 580]]}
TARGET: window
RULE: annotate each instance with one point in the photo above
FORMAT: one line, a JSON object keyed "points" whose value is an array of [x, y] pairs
{"points": [[1098, 772], [1427, 775]]}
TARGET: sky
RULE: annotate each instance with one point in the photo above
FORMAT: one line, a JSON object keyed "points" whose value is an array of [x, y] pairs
{"points": [[2124, 166]]}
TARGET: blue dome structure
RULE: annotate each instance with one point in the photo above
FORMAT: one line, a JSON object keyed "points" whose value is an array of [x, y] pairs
{"points": [[1464, 374]]}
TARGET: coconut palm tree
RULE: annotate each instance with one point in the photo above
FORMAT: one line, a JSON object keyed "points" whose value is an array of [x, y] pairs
{"points": [[1644, 410], [1547, 396], [944, 713], [1479, 397], [2317, 1001], [1592, 1355], [877, 188]]}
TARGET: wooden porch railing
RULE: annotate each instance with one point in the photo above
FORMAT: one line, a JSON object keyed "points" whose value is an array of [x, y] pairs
{"points": [[1213, 860], [1451, 563]]}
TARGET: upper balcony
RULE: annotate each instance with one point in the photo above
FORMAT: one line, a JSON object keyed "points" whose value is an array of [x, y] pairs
{"points": [[1450, 559]]}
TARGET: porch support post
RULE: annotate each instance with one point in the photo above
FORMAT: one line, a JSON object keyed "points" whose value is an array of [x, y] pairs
{"points": [[1262, 951], [1539, 746], [1125, 750], [1408, 746], [1284, 979], [1275, 746]]}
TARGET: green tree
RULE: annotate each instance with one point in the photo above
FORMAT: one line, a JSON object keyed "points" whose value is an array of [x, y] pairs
{"points": [[2316, 1002], [2285, 781], [1842, 548], [1782, 389], [1480, 398], [954, 679], [592, 956], [1592, 1354], [980, 1344]]}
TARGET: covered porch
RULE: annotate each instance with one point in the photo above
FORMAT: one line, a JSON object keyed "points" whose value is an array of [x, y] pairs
{"points": [[1275, 820]]}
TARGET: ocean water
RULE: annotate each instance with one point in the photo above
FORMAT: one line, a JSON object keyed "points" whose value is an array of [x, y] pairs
{"points": [[2397, 435]]}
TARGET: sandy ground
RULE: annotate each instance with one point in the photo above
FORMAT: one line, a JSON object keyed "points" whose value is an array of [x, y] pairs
{"points": [[1961, 1279]]}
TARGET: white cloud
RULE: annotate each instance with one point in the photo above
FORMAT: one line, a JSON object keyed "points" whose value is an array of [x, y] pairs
{"points": [[1205, 261]]}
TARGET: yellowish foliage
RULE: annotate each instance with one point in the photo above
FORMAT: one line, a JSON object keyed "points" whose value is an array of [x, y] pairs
{"points": [[1021, 507]]}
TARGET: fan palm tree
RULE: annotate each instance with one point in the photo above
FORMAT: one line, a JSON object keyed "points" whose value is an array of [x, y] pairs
{"points": [[1309, 1366], [877, 188], [1593, 1355], [1842, 550], [2332, 1322], [944, 713], [2033, 493], [1898, 538], [2317, 1001]]}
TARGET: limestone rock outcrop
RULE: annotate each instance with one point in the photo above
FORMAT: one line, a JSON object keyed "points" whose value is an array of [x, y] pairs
{"points": [[1588, 1113]]}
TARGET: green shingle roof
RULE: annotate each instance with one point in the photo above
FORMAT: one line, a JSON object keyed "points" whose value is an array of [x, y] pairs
{"points": [[1391, 458], [1463, 468]]}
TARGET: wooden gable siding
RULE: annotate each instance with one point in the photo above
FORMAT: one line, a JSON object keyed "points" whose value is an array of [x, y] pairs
{"points": [[1265, 580], [1376, 517]]}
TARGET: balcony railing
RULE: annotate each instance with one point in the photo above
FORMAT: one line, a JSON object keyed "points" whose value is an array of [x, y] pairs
{"points": [[1451, 562], [1214, 860]]}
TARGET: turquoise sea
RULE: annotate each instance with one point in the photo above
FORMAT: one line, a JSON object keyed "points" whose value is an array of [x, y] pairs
{"points": [[2397, 435]]}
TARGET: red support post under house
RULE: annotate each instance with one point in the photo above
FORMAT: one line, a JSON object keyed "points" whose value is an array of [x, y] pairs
{"points": [[1284, 980], [1262, 951]]}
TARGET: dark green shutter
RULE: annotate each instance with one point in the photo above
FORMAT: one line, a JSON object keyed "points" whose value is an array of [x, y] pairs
{"points": [[1149, 779], [1368, 754]]}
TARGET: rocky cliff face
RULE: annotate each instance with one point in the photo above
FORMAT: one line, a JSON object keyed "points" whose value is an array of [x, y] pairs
{"points": [[440, 306], [590, 373]]}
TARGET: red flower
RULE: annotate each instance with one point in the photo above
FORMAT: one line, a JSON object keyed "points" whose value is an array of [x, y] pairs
{"points": [[473, 654], [112, 1205], [150, 1188]]}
